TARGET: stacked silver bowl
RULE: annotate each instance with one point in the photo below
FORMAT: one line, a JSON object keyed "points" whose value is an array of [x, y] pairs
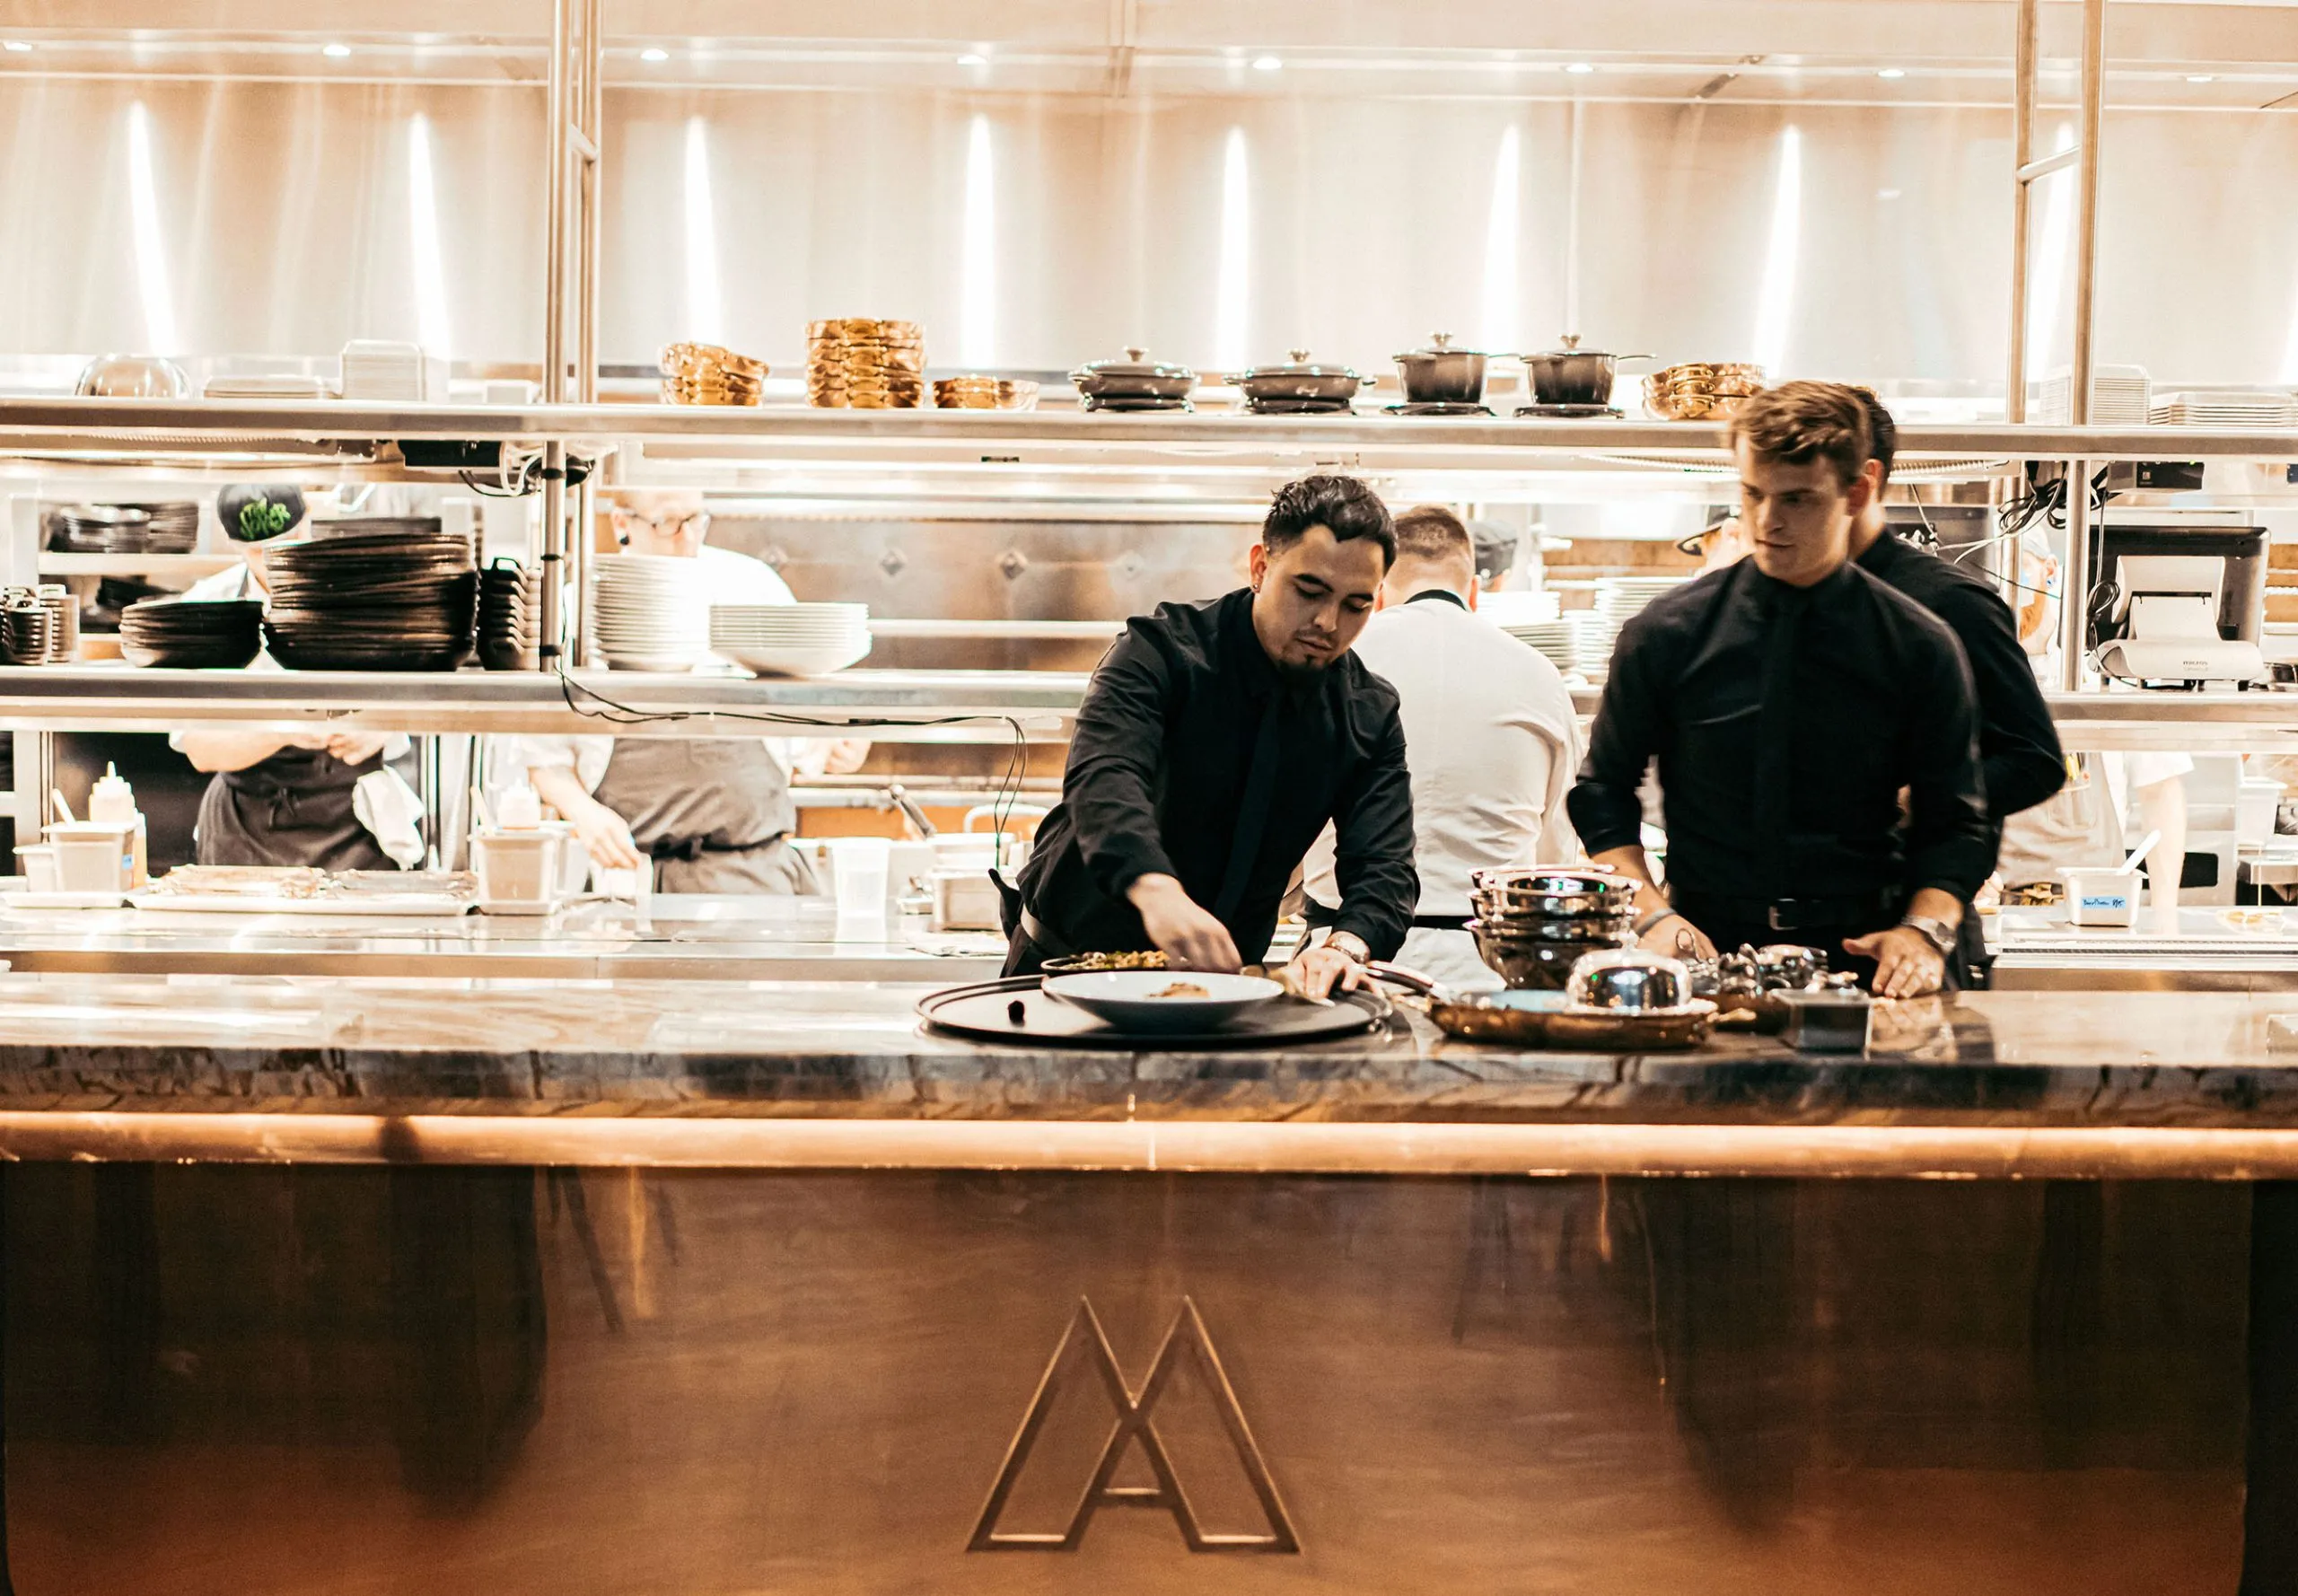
{"points": [[1533, 924]]}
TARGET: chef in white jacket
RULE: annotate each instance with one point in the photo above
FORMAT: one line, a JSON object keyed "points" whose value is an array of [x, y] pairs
{"points": [[709, 814], [1489, 735]]}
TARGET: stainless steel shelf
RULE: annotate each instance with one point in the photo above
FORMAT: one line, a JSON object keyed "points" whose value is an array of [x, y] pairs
{"points": [[188, 566], [137, 429], [889, 706]]}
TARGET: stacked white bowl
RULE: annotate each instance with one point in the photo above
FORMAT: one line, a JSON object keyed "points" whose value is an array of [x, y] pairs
{"points": [[650, 612], [790, 639]]}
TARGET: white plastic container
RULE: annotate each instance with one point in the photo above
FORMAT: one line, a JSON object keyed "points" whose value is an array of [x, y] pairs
{"points": [[2255, 806], [93, 855], [38, 861], [2107, 897], [518, 871], [859, 878], [965, 900]]}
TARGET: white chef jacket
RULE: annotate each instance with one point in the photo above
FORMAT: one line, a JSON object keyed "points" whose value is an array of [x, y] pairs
{"points": [[1492, 744], [731, 579]]}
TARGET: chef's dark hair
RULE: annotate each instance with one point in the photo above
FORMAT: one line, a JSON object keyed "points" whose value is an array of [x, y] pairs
{"points": [[1801, 422], [1882, 433], [1432, 532], [1342, 504]]}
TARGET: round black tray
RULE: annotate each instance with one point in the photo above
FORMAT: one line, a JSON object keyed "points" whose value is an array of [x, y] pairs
{"points": [[980, 1012]]}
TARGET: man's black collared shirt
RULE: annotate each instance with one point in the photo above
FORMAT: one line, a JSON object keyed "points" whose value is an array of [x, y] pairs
{"points": [[1157, 776], [2018, 745], [1785, 722]]}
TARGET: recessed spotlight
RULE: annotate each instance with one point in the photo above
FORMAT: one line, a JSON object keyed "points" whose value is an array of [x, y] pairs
{"points": [[1580, 66], [972, 58], [2192, 77], [654, 54], [1267, 63], [14, 44], [1892, 72], [337, 51]]}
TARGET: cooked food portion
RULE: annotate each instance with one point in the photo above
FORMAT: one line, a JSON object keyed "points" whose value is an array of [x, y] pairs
{"points": [[1077, 964], [1181, 989]]}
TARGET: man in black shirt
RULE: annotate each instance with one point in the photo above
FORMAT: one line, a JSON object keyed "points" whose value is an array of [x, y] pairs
{"points": [[2018, 745], [1215, 742], [1789, 700]]}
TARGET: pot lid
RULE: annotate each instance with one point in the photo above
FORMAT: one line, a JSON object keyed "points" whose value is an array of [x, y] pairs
{"points": [[1438, 342], [1569, 344], [1135, 363], [1300, 366]]}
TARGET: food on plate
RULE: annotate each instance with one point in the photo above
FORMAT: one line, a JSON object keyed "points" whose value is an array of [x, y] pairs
{"points": [[1082, 964], [1181, 989]]}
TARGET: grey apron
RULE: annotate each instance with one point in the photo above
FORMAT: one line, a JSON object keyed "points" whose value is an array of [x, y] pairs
{"points": [[713, 813], [293, 808]]}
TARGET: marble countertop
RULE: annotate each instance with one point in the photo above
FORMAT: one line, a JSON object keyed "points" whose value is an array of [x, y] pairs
{"points": [[851, 1050]]}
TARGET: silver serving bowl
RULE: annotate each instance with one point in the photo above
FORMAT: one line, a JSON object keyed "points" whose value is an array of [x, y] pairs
{"points": [[1628, 978]]}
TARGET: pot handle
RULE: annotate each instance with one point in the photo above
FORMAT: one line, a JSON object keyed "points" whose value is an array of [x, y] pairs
{"points": [[1624, 359], [1412, 980]]}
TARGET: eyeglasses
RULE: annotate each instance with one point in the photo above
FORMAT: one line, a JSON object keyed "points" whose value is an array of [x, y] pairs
{"points": [[668, 526]]}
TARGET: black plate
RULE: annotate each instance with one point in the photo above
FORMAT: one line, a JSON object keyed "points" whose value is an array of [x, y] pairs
{"points": [[1438, 410], [980, 1013]]}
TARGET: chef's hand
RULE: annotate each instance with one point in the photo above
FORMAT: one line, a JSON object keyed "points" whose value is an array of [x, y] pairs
{"points": [[1906, 963], [1678, 938], [1315, 973], [606, 833], [1187, 935], [356, 748]]}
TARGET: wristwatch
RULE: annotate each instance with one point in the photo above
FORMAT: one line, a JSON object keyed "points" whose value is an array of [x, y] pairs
{"points": [[1354, 946], [1937, 932]]}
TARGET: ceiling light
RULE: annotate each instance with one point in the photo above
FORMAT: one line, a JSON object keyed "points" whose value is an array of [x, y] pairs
{"points": [[654, 54], [14, 44], [1579, 67], [1267, 63], [1892, 72], [971, 58], [336, 50], [2192, 77]]}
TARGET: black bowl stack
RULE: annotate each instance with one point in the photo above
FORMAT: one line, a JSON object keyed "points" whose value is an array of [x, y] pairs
{"points": [[26, 628], [1533, 925], [392, 601], [190, 633], [172, 527], [509, 619], [98, 529]]}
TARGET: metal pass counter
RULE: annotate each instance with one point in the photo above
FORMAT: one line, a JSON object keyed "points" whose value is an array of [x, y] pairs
{"points": [[613, 1285]]}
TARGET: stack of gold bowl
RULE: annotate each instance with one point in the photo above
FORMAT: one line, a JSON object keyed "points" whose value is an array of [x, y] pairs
{"points": [[1699, 390], [855, 362], [972, 391], [705, 374]]}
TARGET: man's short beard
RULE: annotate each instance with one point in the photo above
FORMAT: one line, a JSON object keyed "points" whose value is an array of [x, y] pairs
{"points": [[1305, 673]]}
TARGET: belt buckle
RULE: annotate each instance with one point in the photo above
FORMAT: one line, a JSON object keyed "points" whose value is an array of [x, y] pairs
{"points": [[1781, 915]]}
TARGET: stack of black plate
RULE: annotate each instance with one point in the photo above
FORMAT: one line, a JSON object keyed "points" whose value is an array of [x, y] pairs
{"points": [[27, 629], [190, 633], [508, 622], [374, 526], [173, 527], [98, 529], [402, 601]]}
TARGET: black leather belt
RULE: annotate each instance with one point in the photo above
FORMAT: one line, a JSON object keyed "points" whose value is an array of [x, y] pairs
{"points": [[690, 848], [1320, 918], [1797, 914]]}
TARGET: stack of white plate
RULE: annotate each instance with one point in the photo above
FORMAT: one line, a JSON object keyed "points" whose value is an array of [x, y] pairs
{"points": [[1617, 600], [381, 370], [790, 639], [2120, 396], [650, 612], [1592, 645], [1555, 638], [2226, 409]]}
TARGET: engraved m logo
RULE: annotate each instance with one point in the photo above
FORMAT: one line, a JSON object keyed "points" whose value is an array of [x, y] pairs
{"points": [[1085, 1339]]}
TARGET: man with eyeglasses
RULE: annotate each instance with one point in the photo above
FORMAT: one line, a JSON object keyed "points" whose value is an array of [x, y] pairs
{"points": [[704, 814]]}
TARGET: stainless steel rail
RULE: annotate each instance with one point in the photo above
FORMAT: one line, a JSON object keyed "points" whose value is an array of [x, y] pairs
{"points": [[140, 428]]}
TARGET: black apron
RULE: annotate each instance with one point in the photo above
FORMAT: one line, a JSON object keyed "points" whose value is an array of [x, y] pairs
{"points": [[293, 808], [715, 813]]}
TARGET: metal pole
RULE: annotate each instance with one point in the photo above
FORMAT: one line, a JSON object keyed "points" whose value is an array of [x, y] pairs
{"points": [[2074, 582], [2086, 268], [554, 304], [589, 182], [2023, 151], [548, 654]]}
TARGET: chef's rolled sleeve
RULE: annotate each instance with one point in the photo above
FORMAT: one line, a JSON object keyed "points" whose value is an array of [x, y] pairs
{"points": [[1950, 840], [1373, 848], [1109, 786]]}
